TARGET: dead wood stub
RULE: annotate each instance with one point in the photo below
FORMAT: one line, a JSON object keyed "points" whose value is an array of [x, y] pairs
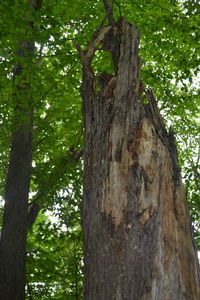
{"points": [[138, 243]]}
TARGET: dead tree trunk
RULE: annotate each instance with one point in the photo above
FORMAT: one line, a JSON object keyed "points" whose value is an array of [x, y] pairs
{"points": [[138, 242], [14, 229]]}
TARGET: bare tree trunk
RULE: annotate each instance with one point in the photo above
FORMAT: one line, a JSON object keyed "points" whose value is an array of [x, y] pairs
{"points": [[138, 242], [14, 229]]}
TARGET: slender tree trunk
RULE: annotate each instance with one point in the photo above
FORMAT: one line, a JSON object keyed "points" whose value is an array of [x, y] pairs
{"points": [[14, 229], [138, 242]]}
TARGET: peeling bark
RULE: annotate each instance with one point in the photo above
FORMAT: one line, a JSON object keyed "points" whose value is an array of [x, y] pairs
{"points": [[138, 242]]}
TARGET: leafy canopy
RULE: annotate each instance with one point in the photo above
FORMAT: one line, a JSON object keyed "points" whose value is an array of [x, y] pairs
{"points": [[169, 51]]}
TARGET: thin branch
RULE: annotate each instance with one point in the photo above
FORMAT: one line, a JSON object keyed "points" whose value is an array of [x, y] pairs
{"points": [[56, 84], [119, 6], [57, 54], [198, 157], [76, 273], [56, 43], [29, 291], [35, 205], [142, 7], [38, 63], [109, 10]]}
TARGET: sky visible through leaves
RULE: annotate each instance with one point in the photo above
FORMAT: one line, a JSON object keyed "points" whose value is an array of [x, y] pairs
{"points": [[169, 48]]}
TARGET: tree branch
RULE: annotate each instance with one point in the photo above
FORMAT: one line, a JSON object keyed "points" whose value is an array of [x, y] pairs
{"points": [[36, 204], [109, 10]]}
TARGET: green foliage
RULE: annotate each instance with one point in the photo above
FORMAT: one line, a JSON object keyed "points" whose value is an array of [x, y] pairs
{"points": [[169, 50], [54, 261]]}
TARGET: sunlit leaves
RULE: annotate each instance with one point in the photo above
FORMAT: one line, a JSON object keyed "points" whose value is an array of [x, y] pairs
{"points": [[169, 34], [54, 257]]}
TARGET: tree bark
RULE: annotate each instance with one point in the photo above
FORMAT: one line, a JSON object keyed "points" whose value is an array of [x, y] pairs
{"points": [[137, 236], [14, 229]]}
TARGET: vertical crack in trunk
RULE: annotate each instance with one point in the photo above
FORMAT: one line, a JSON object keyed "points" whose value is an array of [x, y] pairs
{"points": [[138, 243]]}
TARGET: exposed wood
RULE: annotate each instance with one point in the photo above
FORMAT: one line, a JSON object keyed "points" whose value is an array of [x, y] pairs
{"points": [[138, 242]]}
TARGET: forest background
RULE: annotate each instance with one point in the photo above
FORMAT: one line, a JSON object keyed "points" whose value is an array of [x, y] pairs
{"points": [[169, 35]]}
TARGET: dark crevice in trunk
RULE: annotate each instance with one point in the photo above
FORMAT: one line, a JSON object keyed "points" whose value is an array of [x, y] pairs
{"points": [[137, 242]]}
